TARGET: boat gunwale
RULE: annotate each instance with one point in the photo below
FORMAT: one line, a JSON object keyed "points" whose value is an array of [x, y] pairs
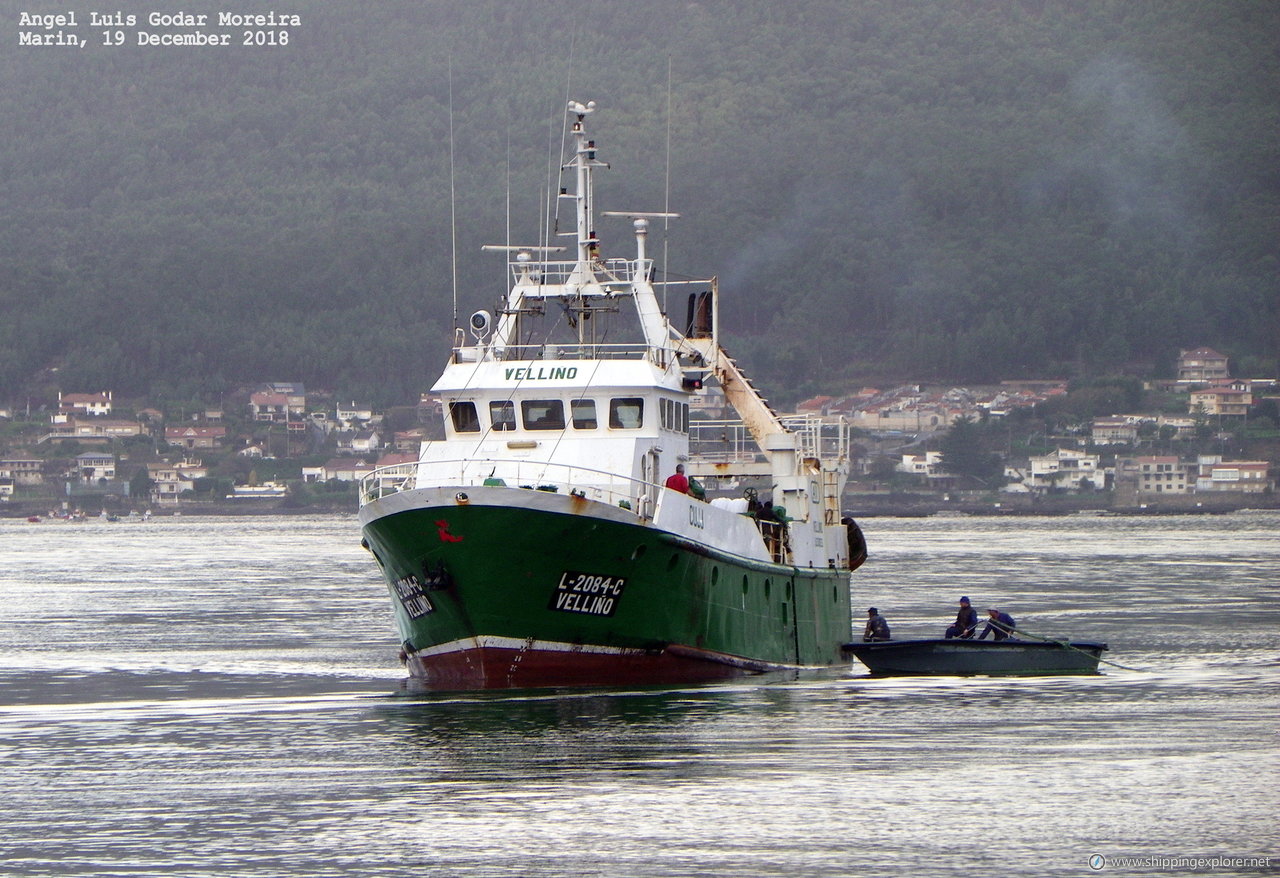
{"points": [[897, 645]]}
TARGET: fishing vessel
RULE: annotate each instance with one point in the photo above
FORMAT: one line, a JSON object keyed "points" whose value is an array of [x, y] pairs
{"points": [[543, 540]]}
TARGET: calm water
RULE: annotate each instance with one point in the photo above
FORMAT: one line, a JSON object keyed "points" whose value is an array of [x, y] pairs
{"points": [[201, 697]]}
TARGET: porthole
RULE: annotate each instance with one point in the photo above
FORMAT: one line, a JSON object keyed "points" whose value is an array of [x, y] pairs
{"points": [[744, 585], [638, 553], [675, 559], [768, 586], [715, 575]]}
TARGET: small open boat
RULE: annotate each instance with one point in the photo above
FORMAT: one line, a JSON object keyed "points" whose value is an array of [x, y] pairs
{"points": [[960, 658]]}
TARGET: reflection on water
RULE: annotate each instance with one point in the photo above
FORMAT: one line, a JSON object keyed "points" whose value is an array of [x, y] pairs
{"points": [[221, 697]]}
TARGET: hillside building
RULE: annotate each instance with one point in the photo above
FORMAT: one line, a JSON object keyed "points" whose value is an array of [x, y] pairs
{"points": [[94, 466], [1202, 366], [1224, 401], [1066, 469], [22, 471], [96, 404], [1113, 431], [195, 437], [1245, 476], [1156, 475]]}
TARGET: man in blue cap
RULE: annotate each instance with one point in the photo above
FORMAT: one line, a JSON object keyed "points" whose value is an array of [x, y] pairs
{"points": [[966, 621]]}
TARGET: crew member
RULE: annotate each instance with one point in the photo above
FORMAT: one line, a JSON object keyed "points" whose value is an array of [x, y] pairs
{"points": [[966, 621], [877, 628], [677, 481], [1001, 625]]}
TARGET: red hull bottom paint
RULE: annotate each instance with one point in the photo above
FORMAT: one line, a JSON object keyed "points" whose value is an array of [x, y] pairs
{"points": [[491, 667]]}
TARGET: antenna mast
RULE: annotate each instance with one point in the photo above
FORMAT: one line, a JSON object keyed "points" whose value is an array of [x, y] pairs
{"points": [[453, 204], [666, 197]]}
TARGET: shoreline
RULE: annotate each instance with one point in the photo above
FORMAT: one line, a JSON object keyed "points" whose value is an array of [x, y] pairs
{"points": [[923, 505], [859, 506]]}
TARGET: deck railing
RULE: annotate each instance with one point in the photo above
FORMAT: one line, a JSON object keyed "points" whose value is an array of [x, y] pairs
{"points": [[581, 481], [615, 270], [819, 437], [568, 350]]}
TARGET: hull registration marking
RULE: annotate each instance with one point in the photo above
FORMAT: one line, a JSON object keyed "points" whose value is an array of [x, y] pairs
{"points": [[414, 600], [587, 593]]}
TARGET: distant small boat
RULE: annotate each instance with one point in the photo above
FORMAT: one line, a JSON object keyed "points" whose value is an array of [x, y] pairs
{"points": [[964, 658]]}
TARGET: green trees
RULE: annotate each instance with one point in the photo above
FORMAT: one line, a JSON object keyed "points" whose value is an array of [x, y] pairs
{"points": [[140, 484], [964, 453], [940, 191]]}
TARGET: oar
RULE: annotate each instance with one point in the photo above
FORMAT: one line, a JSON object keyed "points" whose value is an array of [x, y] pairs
{"points": [[1022, 632]]}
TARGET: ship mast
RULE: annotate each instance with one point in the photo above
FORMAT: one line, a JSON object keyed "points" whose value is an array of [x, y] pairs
{"points": [[583, 161], [588, 277]]}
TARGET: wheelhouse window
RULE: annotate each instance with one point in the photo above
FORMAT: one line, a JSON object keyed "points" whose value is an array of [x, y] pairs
{"points": [[626, 413], [542, 414], [674, 415], [464, 416], [584, 414], [503, 414]]}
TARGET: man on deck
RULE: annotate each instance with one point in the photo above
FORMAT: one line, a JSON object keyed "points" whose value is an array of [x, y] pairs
{"points": [[877, 628], [677, 481], [1001, 625], [966, 621]]}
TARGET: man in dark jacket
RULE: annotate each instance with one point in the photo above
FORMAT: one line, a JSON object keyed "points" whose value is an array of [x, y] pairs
{"points": [[966, 621], [877, 628], [1001, 625]]}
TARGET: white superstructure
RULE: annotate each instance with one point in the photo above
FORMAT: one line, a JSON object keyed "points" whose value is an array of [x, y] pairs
{"points": [[580, 385]]}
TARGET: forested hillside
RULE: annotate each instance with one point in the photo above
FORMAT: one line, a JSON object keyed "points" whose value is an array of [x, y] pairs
{"points": [[887, 188]]}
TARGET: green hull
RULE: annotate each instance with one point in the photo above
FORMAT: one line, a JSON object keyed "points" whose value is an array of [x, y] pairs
{"points": [[496, 591]]}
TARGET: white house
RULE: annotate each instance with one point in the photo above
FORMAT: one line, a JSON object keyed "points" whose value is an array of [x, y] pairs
{"points": [[93, 466], [346, 469], [1246, 476], [366, 441], [1114, 431], [166, 482], [1064, 468], [351, 415], [927, 464], [85, 403]]}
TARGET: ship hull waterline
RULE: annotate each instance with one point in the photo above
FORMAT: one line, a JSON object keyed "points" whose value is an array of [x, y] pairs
{"points": [[514, 588]]}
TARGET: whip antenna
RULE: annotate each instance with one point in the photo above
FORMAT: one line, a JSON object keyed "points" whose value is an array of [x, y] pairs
{"points": [[666, 197], [453, 204]]}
